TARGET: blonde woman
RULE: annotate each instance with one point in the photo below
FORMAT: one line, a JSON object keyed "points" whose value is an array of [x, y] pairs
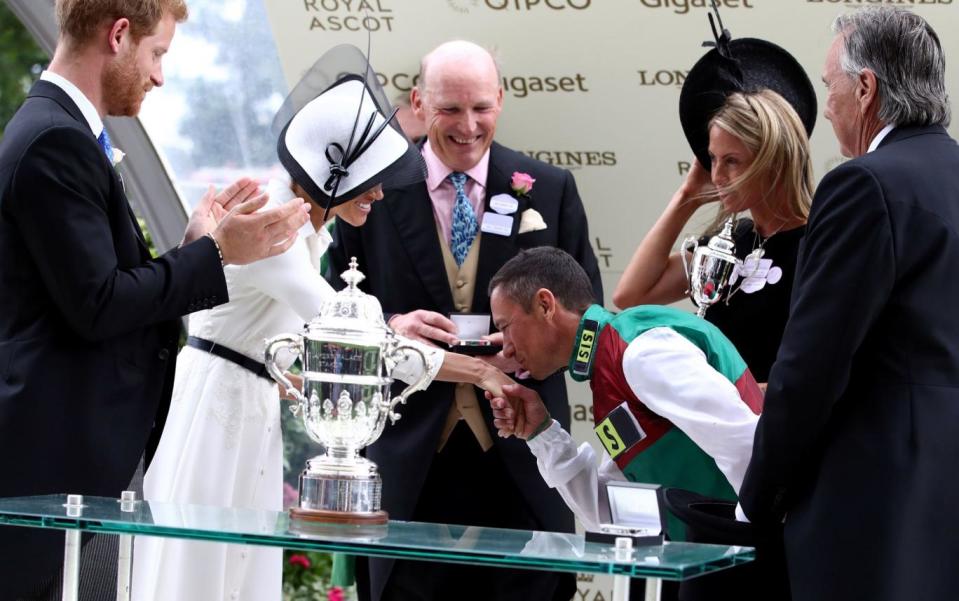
{"points": [[760, 165]]}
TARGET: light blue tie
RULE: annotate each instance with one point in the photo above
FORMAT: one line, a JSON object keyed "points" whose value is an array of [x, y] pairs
{"points": [[105, 144], [464, 220]]}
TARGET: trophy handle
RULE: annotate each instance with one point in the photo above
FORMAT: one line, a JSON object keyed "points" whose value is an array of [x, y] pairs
{"points": [[272, 346], [396, 355], [690, 244]]}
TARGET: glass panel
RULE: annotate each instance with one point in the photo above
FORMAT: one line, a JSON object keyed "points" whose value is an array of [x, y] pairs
{"points": [[210, 121], [465, 544]]}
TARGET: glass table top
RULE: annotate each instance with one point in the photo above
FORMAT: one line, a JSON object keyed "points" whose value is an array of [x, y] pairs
{"points": [[410, 540]]}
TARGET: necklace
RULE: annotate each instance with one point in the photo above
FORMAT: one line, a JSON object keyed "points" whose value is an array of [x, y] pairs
{"points": [[759, 244], [750, 265]]}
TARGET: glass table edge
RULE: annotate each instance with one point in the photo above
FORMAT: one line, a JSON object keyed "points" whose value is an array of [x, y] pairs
{"points": [[472, 556]]}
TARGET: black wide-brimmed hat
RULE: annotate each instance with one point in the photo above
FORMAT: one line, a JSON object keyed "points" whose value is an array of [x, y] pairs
{"points": [[713, 521], [741, 65], [336, 135]]}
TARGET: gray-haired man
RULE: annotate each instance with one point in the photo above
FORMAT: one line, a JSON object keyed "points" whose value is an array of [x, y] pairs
{"points": [[857, 441]]}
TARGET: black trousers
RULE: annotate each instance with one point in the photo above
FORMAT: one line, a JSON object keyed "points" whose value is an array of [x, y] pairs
{"points": [[469, 487]]}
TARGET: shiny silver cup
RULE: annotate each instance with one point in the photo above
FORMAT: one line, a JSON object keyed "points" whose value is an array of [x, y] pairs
{"points": [[347, 353], [709, 270]]}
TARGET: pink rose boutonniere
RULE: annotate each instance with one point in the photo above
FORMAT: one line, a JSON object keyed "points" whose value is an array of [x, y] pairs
{"points": [[529, 220], [522, 183]]}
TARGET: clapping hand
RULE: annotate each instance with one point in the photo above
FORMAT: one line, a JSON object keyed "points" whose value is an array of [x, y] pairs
{"points": [[243, 233], [214, 206]]}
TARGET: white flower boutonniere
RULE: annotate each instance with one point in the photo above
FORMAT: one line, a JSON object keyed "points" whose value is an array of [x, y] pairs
{"points": [[117, 156], [530, 221]]}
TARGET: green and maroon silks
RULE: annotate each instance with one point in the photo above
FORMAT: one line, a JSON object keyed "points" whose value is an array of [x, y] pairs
{"points": [[664, 454]]}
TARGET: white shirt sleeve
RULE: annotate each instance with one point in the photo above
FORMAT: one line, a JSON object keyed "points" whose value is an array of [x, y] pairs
{"points": [[409, 368], [574, 473], [670, 375], [291, 278]]}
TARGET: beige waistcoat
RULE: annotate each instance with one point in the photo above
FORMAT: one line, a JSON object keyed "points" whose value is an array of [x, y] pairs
{"points": [[462, 282]]}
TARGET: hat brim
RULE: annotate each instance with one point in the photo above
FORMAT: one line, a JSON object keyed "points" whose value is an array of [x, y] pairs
{"points": [[752, 65], [707, 519], [305, 144]]}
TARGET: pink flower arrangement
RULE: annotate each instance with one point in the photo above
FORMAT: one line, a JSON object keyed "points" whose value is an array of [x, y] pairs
{"points": [[522, 183], [300, 560], [335, 594]]}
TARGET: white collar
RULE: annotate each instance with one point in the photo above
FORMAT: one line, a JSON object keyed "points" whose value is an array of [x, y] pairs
{"points": [[79, 98], [880, 137]]}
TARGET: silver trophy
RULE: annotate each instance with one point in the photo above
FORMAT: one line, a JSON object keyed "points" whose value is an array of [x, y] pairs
{"points": [[711, 267], [348, 353]]}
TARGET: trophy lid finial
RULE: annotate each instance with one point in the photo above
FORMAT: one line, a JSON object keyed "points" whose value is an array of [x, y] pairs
{"points": [[724, 242], [353, 276]]}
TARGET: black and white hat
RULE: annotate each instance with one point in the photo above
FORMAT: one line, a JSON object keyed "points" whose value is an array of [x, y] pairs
{"points": [[336, 135]]}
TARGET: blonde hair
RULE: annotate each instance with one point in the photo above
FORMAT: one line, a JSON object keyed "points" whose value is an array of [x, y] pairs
{"points": [[781, 168], [78, 19]]}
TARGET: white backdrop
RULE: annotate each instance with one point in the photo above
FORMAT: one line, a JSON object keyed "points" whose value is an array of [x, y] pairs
{"points": [[590, 85]]}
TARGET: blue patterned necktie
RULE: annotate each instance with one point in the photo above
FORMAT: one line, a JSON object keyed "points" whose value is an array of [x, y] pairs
{"points": [[105, 144], [464, 220]]}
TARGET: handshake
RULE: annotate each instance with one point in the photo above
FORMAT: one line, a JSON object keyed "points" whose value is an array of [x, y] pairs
{"points": [[518, 412]]}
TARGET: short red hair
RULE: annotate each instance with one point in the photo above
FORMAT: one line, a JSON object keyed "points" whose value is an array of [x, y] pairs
{"points": [[78, 19]]}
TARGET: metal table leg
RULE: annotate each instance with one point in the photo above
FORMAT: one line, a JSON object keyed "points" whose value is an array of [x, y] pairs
{"points": [[71, 552], [624, 552], [621, 588], [125, 553], [654, 589]]}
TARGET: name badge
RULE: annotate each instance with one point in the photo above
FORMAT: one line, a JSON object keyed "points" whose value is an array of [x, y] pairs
{"points": [[620, 431], [504, 204], [494, 223]]}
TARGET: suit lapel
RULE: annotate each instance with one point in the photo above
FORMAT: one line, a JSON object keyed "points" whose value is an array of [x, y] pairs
{"points": [[412, 213], [495, 250], [133, 218], [45, 89]]}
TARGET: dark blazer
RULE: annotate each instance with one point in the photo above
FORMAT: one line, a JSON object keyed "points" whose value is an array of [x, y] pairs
{"points": [[88, 323], [399, 251], [857, 444]]}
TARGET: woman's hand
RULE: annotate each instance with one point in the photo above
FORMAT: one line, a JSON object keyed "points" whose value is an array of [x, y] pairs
{"points": [[697, 188], [492, 380]]}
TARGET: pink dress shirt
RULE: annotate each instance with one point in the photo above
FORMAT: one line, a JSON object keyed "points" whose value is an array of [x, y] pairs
{"points": [[443, 194]]}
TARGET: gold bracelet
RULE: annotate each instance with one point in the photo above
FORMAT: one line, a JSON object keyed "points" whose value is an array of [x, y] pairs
{"points": [[217, 246]]}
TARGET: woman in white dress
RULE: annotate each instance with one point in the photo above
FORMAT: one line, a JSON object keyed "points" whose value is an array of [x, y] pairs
{"points": [[221, 445]]}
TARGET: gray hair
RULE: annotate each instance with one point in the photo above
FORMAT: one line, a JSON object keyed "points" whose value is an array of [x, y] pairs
{"points": [[904, 52]]}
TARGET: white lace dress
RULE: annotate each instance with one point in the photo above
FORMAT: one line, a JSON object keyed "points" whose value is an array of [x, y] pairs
{"points": [[222, 443]]}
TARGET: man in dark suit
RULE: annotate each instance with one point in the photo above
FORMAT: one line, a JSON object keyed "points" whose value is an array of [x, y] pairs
{"points": [[429, 251], [88, 321], [856, 447]]}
